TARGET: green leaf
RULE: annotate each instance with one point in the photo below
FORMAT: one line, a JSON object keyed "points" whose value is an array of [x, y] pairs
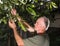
{"points": [[4, 20], [31, 11], [54, 5], [36, 1], [23, 1], [50, 7], [41, 3], [22, 26]]}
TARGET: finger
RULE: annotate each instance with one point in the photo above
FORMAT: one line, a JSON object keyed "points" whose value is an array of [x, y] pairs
{"points": [[11, 21], [13, 11]]}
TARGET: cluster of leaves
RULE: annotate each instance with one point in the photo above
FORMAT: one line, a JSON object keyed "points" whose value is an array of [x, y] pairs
{"points": [[33, 7]]}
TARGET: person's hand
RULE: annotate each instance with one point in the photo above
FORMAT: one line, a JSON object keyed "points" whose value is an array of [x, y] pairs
{"points": [[13, 12], [30, 29], [12, 24]]}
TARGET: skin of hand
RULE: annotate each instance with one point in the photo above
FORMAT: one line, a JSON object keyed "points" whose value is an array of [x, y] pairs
{"points": [[30, 29], [12, 24], [13, 11]]}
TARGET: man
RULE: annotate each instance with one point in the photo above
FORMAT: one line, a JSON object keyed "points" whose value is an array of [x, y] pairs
{"points": [[40, 39]]}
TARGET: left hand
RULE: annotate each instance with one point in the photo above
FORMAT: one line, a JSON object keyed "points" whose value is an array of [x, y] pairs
{"points": [[13, 12]]}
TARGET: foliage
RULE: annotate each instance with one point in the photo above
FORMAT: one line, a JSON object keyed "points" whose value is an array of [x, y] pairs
{"points": [[34, 8]]}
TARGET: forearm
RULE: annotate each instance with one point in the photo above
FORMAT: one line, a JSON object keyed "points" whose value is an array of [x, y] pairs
{"points": [[18, 38]]}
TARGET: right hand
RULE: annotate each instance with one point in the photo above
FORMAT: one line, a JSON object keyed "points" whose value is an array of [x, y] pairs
{"points": [[12, 24]]}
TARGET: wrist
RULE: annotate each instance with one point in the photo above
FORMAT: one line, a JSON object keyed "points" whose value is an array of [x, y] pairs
{"points": [[18, 17], [14, 29]]}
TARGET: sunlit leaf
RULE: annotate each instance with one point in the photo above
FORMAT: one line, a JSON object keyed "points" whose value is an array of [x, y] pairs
{"points": [[31, 11], [41, 3], [23, 1], [22, 26], [36, 1], [50, 7], [54, 5]]}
